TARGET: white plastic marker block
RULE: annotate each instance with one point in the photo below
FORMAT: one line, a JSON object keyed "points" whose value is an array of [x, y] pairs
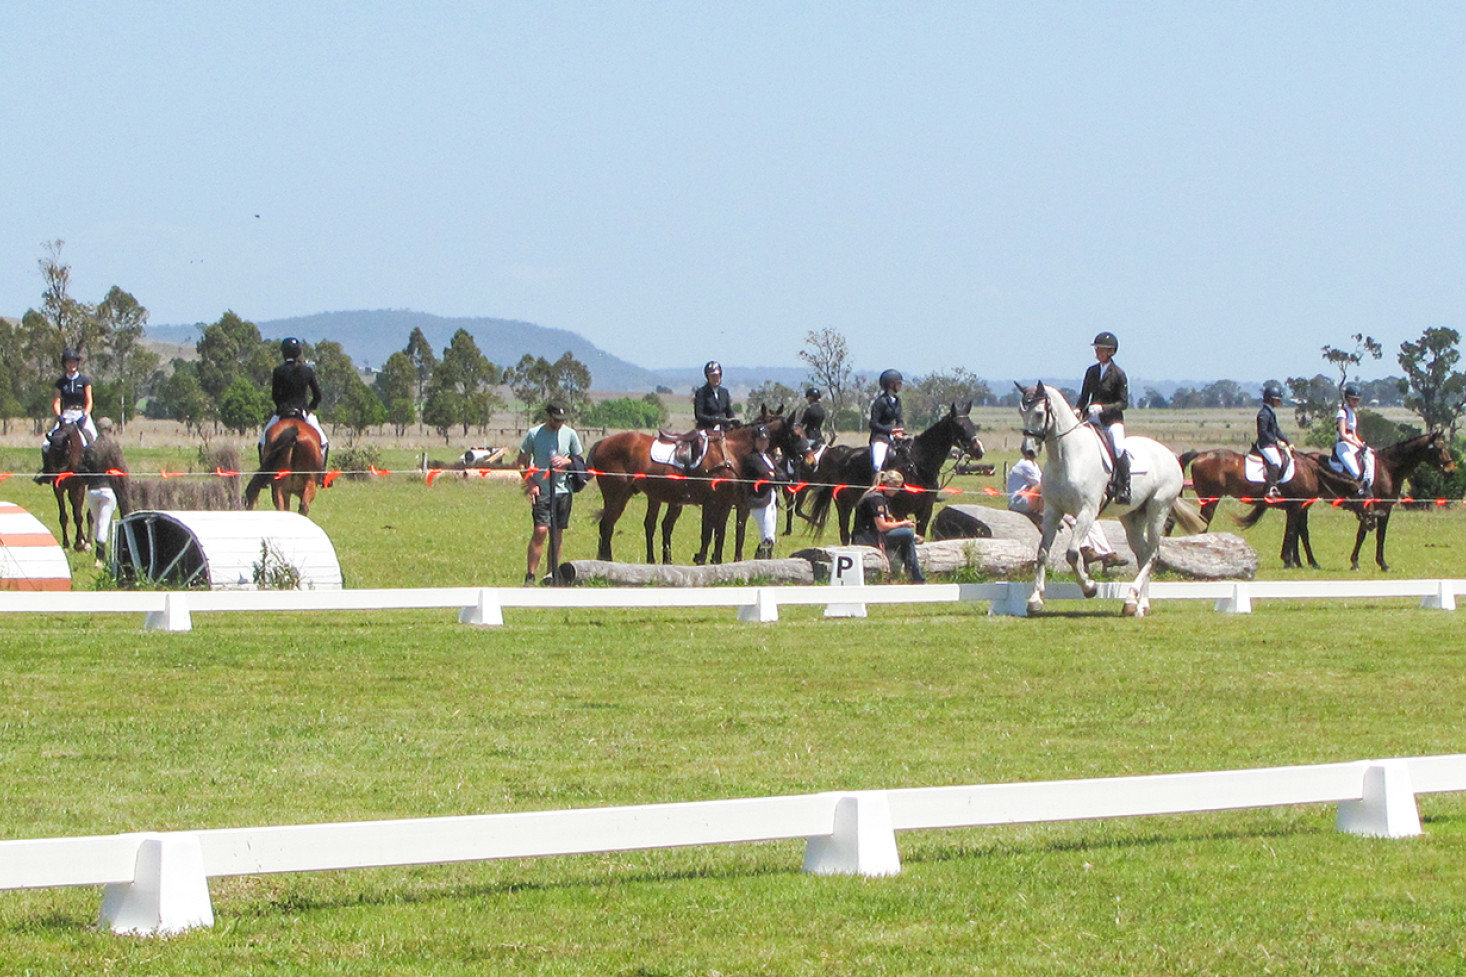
{"points": [[487, 612], [1444, 599], [863, 842], [169, 892], [1239, 603], [1388, 808], [1015, 604], [173, 617], [847, 569], [763, 610]]}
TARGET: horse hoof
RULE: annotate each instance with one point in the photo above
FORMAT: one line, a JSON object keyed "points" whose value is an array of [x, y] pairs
{"points": [[1131, 609], [1089, 589], [1035, 605]]}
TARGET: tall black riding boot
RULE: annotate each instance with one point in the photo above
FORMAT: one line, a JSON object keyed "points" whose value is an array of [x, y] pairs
{"points": [[1120, 480]]}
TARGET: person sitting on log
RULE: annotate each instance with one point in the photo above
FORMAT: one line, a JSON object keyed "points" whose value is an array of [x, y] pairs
{"points": [[875, 526]]}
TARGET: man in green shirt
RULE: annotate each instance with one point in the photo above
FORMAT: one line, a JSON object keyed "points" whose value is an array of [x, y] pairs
{"points": [[543, 457]]}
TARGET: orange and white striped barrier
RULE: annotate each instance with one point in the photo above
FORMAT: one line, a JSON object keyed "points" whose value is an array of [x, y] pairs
{"points": [[30, 557]]}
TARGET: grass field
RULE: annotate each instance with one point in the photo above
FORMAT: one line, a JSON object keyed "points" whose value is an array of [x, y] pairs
{"points": [[298, 718]]}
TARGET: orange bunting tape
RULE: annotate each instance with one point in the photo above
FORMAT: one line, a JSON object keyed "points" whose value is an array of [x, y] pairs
{"points": [[433, 474], [217, 471], [165, 473], [330, 477], [282, 473], [378, 471]]}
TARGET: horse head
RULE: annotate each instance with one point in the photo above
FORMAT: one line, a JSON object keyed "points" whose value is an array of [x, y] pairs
{"points": [[63, 450], [966, 431], [1440, 452]]}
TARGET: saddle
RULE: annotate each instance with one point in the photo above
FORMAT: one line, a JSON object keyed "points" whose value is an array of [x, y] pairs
{"points": [[291, 413], [1254, 469], [682, 450]]}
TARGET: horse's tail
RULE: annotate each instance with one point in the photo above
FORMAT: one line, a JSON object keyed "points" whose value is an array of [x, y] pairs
{"points": [[1187, 458], [1251, 517], [277, 452], [818, 509], [1188, 517]]}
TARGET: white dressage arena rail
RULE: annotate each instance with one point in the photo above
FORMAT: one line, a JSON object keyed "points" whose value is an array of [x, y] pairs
{"points": [[157, 883], [173, 610]]}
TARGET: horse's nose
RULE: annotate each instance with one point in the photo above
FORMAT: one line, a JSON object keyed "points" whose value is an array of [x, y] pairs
{"points": [[976, 449]]}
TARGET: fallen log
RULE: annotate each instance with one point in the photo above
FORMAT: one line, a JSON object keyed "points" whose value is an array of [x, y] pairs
{"points": [[983, 522], [991, 557], [789, 570]]}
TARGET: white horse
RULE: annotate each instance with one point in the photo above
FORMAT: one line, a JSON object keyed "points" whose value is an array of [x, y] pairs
{"points": [[1074, 482]]}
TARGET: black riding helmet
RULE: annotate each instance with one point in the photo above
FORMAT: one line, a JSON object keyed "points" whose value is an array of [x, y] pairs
{"points": [[1272, 389], [1106, 340], [713, 366], [291, 348], [813, 393], [1351, 390], [890, 378], [69, 356]]}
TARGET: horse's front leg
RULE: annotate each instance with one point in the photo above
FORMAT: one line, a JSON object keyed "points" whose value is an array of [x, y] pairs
{"points": [[1075, 553], [1302, 538], [740, 518], [1143, 530], [1046, 541]]}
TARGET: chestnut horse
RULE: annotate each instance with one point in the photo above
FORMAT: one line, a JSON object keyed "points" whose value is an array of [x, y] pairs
{"points": [[291, 464], [623, 467], [1220, 473], [61, 465]]}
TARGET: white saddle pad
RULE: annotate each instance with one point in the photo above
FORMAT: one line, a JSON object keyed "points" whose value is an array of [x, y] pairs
{"points": [[663, 452], [1253, 470], [1137, 467]]}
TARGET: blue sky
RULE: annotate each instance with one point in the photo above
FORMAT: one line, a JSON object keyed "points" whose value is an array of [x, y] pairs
{"points": [[1227, 186]]}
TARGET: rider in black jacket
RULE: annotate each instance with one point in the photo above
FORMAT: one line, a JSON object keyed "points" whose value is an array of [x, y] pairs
{"points": [[1104, 397], [712, 407]]}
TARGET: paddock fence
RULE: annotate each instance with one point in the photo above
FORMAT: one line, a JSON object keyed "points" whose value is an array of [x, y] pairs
{"points": [[157, 882], [174, 610]]}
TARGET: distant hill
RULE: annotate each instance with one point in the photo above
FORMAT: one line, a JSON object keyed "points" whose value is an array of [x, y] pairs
{"points": [[369, 337]]}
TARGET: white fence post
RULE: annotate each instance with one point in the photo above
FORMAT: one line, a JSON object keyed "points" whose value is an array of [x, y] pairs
{"points": [[173, 617], [847, 569], [487, 612], [1388, 808], [862, 843], [1444, 599], [169, 892], [1239, 603], [763, 610]]}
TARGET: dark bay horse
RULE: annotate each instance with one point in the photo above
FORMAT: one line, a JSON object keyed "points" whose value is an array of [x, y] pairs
{"points": [[623, 467], [61, 465], [291, 465], [843, 475], [1220, 473]]}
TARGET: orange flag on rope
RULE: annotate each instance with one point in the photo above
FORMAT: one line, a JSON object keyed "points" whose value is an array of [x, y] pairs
{"points": [[433, 474], [330, 477]]}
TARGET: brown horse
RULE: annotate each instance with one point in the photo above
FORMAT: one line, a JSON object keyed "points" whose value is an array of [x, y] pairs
{"points": [[1220, 472], [623, 467], [61, 465], [291, 464]]}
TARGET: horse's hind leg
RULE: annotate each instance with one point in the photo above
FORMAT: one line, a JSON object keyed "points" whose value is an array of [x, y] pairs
{"points": [[1145, 539], [668, 524], [649, 525]]}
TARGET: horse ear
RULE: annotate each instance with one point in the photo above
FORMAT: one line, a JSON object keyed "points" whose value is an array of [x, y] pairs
{"points": [[966, 409], [1020, 387]]}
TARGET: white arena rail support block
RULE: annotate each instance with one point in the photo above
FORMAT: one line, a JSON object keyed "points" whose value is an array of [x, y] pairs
{"points": [[862, 843], [763, 610], [169, 892], [1015, 604], [487, 612], [1239, 603], [1444, 599], [1387, 809], [847, 569], [173, 617]]}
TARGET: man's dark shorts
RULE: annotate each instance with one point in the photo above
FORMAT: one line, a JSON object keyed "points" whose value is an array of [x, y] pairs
{"points": [[541, 508]]}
